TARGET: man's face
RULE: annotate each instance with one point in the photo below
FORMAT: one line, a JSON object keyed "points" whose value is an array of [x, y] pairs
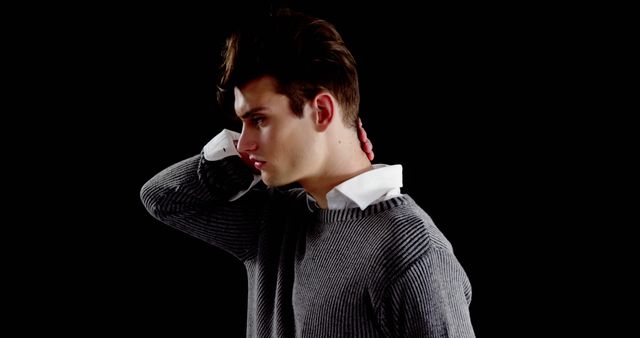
{"points": [[280, 143]]}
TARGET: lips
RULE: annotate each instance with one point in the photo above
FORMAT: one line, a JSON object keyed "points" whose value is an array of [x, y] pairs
{"points": [[259, 164]]}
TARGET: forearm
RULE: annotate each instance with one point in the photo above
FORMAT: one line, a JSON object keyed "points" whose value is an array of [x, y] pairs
{"points": [[193, 196]]}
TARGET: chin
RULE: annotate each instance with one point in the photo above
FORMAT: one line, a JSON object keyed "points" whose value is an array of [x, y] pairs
{"points": [[275, 182]]}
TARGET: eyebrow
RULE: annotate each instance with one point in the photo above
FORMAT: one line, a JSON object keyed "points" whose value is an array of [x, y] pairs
{"points": [[251, 112]]}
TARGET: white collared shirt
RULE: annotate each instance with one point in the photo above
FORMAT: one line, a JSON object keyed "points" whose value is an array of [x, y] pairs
{"points": [[381, 183]]}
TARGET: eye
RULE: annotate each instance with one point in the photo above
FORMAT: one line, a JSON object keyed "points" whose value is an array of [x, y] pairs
{"points": [[258, 120]]}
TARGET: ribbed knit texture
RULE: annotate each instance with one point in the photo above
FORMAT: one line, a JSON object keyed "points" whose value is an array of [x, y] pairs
{"points": [[385, 271]]}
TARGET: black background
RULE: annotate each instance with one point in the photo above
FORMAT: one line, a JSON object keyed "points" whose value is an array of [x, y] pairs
{"points": [[478, 103]]}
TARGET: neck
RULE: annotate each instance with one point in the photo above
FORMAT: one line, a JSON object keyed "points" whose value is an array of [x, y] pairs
{"points": [[344, 159]]}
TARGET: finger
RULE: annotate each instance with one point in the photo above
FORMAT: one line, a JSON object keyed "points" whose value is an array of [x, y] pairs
{"points": [[367, 146], [370, 154], [362, 134], [368, 150]]}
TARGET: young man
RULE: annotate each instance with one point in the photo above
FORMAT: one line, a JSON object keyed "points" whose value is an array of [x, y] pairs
{"points": [[345, 255]]}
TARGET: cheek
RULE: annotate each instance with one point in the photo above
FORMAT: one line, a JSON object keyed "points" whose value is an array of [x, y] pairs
{"points": [[296, 147], [304, 152]]}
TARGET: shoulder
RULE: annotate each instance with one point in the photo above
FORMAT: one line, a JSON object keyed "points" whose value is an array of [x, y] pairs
{"points": [[406, 228], [402, 235]]}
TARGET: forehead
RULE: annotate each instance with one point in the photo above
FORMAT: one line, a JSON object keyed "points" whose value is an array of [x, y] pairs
{"points": [[255, 92], [256, 89]]}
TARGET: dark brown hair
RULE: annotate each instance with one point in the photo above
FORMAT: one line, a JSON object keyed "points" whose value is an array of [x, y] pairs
{"points": [[304, 54]]}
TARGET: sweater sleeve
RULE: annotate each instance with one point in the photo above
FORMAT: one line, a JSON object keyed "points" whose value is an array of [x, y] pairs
{"points": [[430, 299], [193, 196]]}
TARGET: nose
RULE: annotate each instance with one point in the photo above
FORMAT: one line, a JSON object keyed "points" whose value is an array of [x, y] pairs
{"points": [[247, 141]]}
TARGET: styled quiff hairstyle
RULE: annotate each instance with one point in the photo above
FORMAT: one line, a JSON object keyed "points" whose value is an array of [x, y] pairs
{"points": [[305, 55]]}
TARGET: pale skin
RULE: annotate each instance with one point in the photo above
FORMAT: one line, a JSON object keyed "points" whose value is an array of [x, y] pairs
{"points": [[317, 150]]}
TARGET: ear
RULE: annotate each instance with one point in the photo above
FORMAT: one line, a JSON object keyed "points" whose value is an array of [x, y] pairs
{"points": [[324, 108]]}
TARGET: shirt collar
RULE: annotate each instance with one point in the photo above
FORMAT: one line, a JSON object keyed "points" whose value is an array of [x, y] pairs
{"points": [[366, 188]]}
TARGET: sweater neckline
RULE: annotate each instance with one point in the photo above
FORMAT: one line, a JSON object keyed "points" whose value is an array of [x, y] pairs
{"points": [[337, 215]]}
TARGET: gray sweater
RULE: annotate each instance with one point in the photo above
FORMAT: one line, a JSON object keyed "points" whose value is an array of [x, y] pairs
{"points": [[385, 271]]}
